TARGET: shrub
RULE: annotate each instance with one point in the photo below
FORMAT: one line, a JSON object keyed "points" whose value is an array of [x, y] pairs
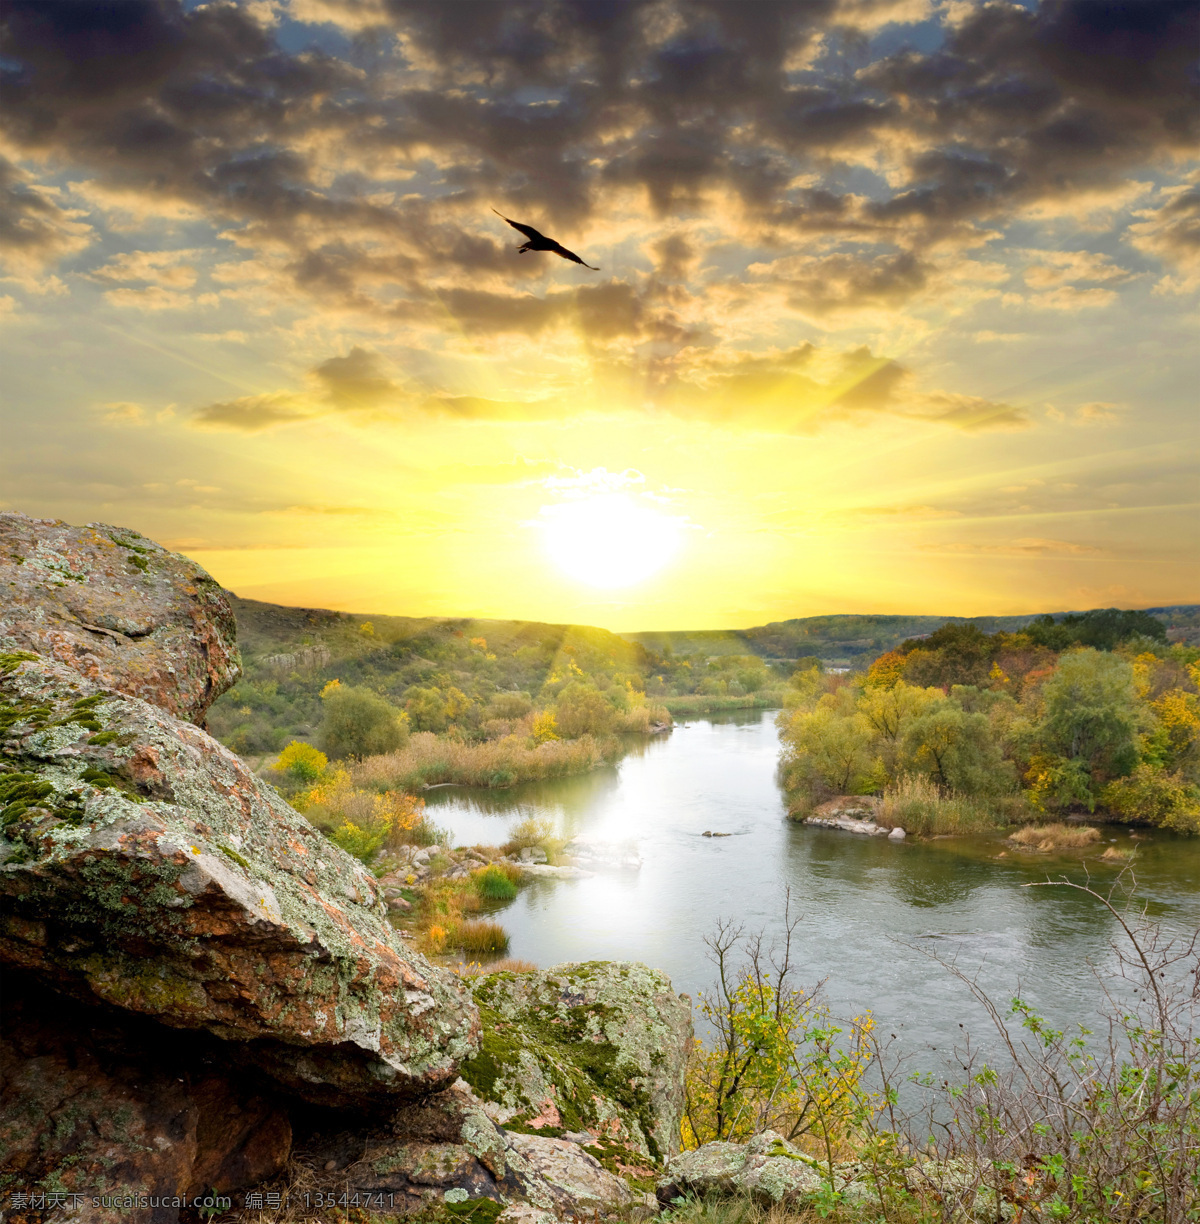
{"points": [[494, 883], [583, 710], [528, 833], [359, 723]]}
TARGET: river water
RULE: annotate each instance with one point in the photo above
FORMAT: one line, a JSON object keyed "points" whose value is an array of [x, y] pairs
{"points": [[875, 913]]}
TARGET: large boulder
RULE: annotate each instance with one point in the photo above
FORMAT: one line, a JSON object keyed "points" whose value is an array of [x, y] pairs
{"points": [[94, 1102], [597, 1047], [144, 866], [119, 609]]}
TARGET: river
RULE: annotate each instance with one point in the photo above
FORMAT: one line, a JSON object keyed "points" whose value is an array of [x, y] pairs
{"points": [[874, 911]]}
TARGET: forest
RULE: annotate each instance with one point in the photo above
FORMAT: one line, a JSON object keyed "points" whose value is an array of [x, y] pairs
{"points": [[962, 730]]}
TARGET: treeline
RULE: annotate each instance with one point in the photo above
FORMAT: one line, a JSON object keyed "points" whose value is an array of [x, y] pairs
{"points": [[357, 687], [1091, 712]]}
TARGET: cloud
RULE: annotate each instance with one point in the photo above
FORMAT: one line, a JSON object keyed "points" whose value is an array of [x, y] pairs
{"points": [[1171, 233], [355, 381], [253, 413], [1026, 546], [35, 232], [795, 390], [366, 187], [163, 268]]}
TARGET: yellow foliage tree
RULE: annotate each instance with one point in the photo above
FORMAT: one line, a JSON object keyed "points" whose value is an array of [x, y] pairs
{"points": [[776, 1061], [545, 727]]}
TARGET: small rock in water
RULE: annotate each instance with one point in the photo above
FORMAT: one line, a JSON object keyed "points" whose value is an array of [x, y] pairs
{"points": [[897, 834], [706, 833]]}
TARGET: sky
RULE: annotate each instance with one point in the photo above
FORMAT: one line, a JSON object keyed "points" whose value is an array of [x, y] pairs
{"points": [[896, 308]]}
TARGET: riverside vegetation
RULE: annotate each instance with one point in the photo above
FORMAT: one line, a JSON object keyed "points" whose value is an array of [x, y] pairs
{"points": [[963, 731], [152, 885]]}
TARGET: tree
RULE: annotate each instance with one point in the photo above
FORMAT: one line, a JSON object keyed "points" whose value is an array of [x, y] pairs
{"points": [[304, 762], [426, 709], [828, 753], [956, 749], [583, 710], [1090, 714], [358, 723]]}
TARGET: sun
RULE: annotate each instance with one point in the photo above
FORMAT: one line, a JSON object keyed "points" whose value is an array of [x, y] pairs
{"points": [[609, 540]]}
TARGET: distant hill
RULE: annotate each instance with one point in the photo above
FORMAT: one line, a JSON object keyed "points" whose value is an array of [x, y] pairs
{"points": [[290, 654], [849, 640]]}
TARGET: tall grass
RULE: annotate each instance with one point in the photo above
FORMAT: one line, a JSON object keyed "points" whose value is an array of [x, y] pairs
{"points": [[1056, 837], [478, 936], [428, 760], [698, 703], [495, 884], [916, 804]]}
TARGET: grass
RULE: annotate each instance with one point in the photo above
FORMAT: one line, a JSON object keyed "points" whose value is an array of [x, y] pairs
{"points": [[1053, 837], [431, 760], [510, 964], [494, 883], [918, 805], [478, 936]]}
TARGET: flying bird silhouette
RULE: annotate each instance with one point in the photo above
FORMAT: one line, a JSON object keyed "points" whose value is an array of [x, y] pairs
{"points": [[539, 242]]}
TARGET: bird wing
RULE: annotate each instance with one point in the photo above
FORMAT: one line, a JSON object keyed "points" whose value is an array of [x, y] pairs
{"points": [[559, 249], [527, 230]]}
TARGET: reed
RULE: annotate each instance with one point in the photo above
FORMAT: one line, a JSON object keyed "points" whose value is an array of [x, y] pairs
{"points": [[916, 804], [430, 760]]}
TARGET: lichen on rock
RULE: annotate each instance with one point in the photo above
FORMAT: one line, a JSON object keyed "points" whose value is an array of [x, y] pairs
{"points": [[596, 1046], [118, 609], [117, 883]]}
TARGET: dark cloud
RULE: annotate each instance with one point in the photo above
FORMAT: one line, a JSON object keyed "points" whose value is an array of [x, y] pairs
{"points": [[546, 107], [34, 230]]}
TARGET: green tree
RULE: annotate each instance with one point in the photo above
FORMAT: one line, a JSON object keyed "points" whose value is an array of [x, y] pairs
{"points": [[1090, 714], [956, 749], [828, 753], [358, 723]]}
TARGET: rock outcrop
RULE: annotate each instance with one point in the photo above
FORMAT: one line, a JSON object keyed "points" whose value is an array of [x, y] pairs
{"points": [[118, 609], [597, 1047], [200, 988], [148, 868]]}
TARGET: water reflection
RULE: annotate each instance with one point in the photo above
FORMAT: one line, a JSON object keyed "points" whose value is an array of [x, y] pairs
{"points": [[877, 915]]}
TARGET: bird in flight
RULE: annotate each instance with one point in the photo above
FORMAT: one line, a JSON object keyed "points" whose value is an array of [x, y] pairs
{"points": [[539, 242]]}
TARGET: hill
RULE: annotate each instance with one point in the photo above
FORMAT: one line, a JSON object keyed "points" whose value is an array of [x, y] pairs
{"points": [[854, 640], [478, 675]]}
